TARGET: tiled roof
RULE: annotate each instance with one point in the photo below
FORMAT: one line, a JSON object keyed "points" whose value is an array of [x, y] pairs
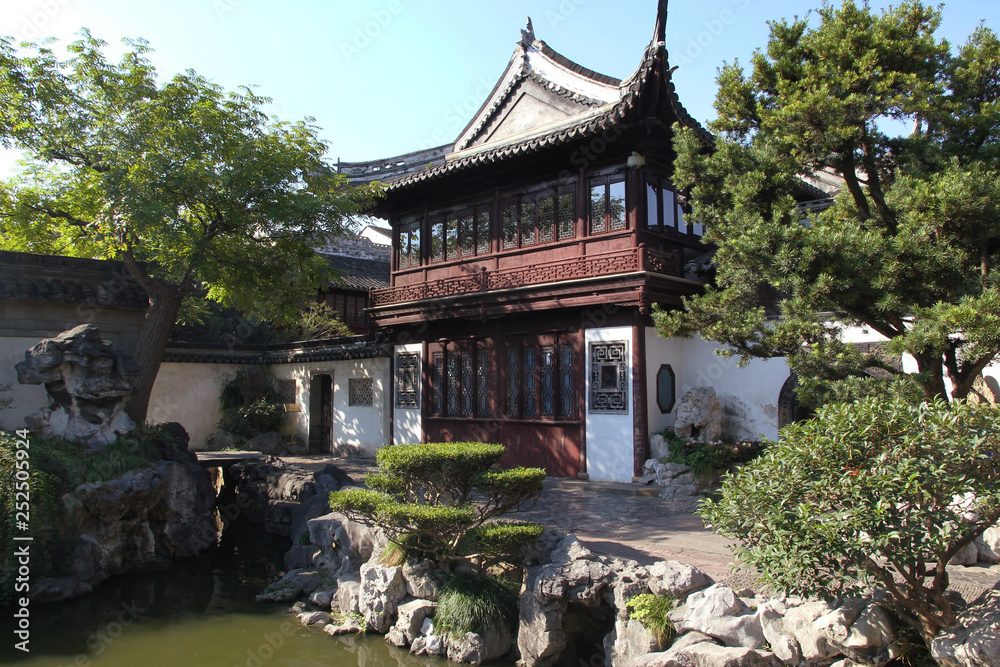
{"points": [[28, 277], [333, 349], [359, 273]]}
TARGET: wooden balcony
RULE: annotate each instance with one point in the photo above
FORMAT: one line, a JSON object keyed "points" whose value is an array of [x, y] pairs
{"points": [[597, 266]]}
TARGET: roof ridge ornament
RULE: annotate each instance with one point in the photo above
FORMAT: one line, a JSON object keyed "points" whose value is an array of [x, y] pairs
{"points": [[660, 32], [527, 34]]}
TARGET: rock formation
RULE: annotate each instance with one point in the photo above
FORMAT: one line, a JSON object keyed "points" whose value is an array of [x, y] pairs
{"points": [[699, 415], [87, 382]]}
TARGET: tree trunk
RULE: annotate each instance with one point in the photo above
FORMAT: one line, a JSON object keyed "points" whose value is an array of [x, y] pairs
{"points": [[932, 368], [164, 304]]}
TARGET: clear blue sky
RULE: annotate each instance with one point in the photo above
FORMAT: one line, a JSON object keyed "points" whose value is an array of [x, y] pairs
{"points": [[384, 77]]}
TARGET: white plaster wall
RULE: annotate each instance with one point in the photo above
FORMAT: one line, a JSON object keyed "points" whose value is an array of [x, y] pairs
{"points": [[749, 395], [659, 351], [358, 430], [610, 437], [407, 427], [27, 397], [189, 394]]}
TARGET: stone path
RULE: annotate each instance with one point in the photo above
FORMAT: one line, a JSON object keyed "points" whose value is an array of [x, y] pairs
{"points": [[625, 520]]}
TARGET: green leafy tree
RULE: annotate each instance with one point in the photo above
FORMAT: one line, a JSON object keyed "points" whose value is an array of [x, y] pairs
{"points": [[197, 191], [875, 493], [909, 247], [443, 500]]}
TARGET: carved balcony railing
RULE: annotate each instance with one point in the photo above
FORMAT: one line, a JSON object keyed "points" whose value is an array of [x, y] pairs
{"points": [[590, 266]]}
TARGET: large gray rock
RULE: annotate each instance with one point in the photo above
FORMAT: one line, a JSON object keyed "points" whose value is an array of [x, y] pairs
{"points": [[699, 415], [87, 381], [475, 649], [707, 654], [718, 612], [424, 578], [629, 640], [988, 545], [670, 577], [221, 440], [410, 617], [801, 624], [382, 587], [975, 640], [294, 585], [348, 595], [574, 575], [140, 520], [272, 443]]}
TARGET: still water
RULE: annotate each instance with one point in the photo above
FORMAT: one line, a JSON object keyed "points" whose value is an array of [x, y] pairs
{"points": [[199, 613]]}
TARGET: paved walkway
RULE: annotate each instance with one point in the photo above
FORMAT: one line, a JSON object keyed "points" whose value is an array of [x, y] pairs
{"points": [[628, 520]]}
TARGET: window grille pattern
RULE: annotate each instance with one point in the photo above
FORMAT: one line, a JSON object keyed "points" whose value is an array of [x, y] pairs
{"points": [[467, 236], [566, 385], [468, 384], [482, 383], [527, 223], [437, 385], [607, 204], [361, 392], [510, 227], [546, 219], [408, 380], [567, 215], [548, 381], [453, 385], [513, 380], [286, 390], [530, 382], [482, 232], [609, 378]]}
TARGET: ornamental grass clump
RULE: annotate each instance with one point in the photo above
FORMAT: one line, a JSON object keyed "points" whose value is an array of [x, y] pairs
{"points": [[444, 501], [652, 611], [868, 494], [475, 603]]}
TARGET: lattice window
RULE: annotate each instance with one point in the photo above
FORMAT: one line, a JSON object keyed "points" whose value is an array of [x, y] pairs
{"points": [[616, 205], [437, 241], [482, 383], [451, 239], [513, 381], [467, 235], [437, 384], [607, 204], [286, 390], [468, 384], [567, 402], [546, 219], [609, 378], [361, 392], [408, 380], [482, 232], [510, 226], [530, 382], [567, 215], [453, 385], [528, 223], [548, 381]]}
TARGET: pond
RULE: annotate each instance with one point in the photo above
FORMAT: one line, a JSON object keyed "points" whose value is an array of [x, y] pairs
{"points": [[199, 613]]}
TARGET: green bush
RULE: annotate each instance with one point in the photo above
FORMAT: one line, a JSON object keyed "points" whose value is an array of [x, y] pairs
{"points": [[651, 610], [475, 603], [704, 457], [442, 500], [865, 494], [250, 403]]}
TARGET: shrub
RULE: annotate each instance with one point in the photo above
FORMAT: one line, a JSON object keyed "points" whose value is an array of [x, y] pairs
{"points": [[870, 493], [475, 603], [651, 610], [250, 403], [442, 500], [704, 457]]}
